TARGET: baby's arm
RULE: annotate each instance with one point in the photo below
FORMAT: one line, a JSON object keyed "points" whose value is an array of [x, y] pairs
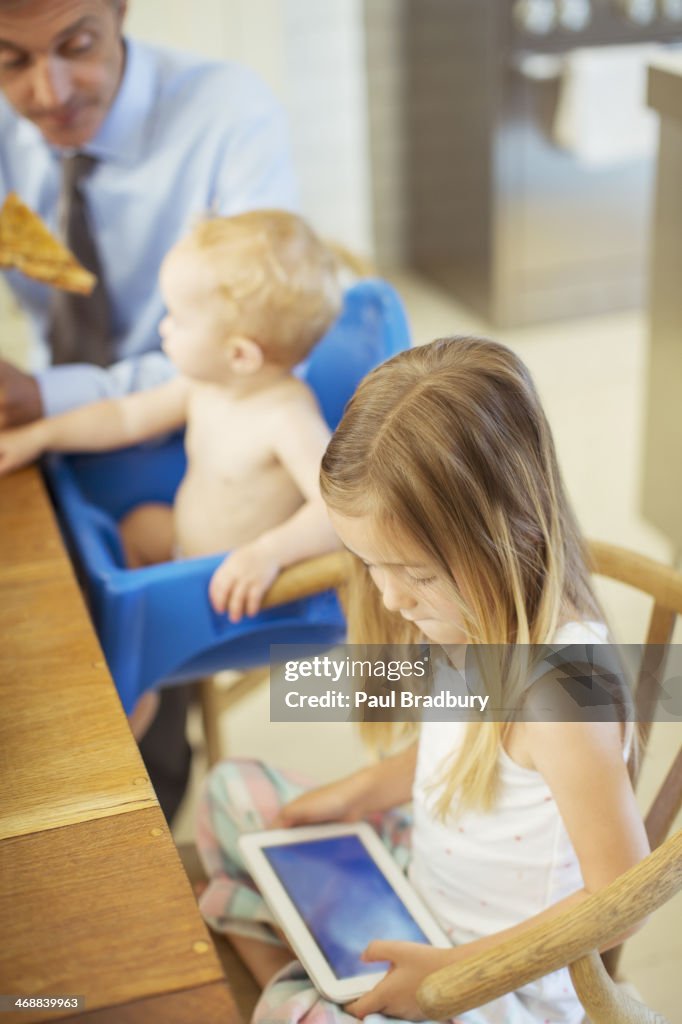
{"points": [[583, 765], [239, 583], [99, 426]]}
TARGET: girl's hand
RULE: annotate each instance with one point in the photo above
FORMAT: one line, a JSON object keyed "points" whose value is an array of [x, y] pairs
{"points": [[239, 583], [338, 801], [396, 994], [20, 446], [378, 787]]}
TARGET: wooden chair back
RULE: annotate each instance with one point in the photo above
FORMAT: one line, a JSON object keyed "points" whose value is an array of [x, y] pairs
{"points": [[314, 576], [664, 585]]}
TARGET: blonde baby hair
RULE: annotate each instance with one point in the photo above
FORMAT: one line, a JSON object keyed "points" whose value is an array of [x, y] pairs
{"points": [[280, 276], [448, 444]]}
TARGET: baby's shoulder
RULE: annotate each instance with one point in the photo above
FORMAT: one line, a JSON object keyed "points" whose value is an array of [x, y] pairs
{"points": [[292, 397]]}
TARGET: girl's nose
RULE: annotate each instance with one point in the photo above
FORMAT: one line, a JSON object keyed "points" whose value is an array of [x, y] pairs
{"points": [[395, 595]]}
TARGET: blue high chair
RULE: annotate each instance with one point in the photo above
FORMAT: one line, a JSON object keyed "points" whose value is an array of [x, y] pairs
{"points": [[155, 624]]}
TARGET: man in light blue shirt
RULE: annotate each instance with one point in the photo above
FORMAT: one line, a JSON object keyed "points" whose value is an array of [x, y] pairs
{"points": [[174, 137]]}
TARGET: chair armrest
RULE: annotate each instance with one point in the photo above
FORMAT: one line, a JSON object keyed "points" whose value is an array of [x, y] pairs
{"points": [[597, 922], [638, 571], [315, 575]]}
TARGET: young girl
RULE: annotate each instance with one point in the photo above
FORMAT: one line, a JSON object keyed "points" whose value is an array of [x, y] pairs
{"points": [[442, 480]]}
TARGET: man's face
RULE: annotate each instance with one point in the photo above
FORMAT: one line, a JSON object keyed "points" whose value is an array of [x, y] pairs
{"points": [[61, 63]]}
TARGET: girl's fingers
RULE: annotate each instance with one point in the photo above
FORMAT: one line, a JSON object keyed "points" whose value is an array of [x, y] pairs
{"points": [[379, 950], [371, 1003]]}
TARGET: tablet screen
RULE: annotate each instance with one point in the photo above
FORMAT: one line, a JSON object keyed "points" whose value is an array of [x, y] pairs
{"points": [[344, 899]]}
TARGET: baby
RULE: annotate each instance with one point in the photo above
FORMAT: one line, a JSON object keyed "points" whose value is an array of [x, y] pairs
{"points": [[247, 299]]}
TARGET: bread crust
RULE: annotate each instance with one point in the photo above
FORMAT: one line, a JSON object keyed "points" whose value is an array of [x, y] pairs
{"points": [[28, 245]]}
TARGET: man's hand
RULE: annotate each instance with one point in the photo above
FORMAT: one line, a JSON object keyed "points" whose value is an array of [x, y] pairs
{"points": [[20, 400], [17, 447], [239, 583], [396, 994]]}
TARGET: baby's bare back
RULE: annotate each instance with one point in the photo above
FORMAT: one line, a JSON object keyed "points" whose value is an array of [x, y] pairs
{"points": [[235, 488]]}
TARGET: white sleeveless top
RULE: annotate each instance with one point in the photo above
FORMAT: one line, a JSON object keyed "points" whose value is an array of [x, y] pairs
{"points": [[488, 871]]}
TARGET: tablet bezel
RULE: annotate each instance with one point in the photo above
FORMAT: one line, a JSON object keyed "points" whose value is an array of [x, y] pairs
{"points": [[293, 925]]}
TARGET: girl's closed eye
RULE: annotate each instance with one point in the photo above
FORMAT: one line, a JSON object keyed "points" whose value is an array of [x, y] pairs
{"points": [[423, 581], [418, 580]]}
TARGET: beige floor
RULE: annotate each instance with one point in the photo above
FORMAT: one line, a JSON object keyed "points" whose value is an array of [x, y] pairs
{"points": [[590, 374]]}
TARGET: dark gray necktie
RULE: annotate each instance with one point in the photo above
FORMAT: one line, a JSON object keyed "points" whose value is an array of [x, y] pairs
{"points": [[80, 327]]}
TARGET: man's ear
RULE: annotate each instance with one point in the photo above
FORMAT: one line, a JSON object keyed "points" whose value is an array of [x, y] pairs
{"points": [[245, 356]]}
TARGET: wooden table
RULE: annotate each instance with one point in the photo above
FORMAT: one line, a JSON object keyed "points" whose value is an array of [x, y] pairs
{"points": [[93, 899]]}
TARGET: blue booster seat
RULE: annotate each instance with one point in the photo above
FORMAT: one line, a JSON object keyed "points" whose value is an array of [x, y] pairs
{"points": [[155, 624]]}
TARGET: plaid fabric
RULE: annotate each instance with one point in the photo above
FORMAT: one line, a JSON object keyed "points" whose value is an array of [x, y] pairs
{"points": [[245, 796]]}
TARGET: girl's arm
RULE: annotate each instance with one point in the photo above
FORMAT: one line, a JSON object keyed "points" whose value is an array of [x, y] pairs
{"points": [[583, 765], [378, 787], [238, 585], [113, 423]]}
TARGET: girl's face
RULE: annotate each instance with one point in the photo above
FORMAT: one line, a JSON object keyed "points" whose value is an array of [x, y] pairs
{"points": [[408, 581]]}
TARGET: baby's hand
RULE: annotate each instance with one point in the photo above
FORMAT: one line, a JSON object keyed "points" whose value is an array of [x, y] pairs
{"points": [[239, 583], [19, 446]]}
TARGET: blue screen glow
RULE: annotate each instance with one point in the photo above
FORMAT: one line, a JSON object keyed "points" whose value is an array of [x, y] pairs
{"points": [[344, 899]]}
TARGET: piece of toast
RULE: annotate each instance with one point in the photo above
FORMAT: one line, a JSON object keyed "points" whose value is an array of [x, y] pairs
{"points": [[27, 244]]}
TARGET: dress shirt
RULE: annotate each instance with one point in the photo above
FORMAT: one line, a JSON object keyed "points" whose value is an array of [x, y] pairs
{"points": [[183, 137]]}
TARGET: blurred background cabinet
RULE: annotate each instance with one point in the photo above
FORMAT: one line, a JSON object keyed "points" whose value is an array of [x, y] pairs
{"points": [[456, 138], [512, 153]]}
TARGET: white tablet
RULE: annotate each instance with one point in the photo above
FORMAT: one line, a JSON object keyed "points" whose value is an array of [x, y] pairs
{"points": [[333, 889]]}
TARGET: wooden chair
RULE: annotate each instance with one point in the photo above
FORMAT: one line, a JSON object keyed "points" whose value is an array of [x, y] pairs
{"points": [[574, 938], [571, 939], [314, 576]]}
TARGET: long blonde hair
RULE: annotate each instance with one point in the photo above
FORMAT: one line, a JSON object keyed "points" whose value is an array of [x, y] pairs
{"points": [[448, 444]]}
